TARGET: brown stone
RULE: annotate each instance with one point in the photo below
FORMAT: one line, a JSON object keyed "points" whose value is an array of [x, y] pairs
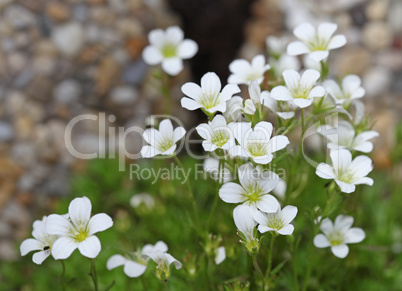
{"points": [[106, 75], [352, 60], [91, 53], [57, 11], [134, 46]]}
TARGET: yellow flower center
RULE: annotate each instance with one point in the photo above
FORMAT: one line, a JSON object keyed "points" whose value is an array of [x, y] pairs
{"points": [[169, 50], [318, 44], [220, 137], [336, 238], [252, 193], [258, 148], [165, 144], [275, 222], [209, 100]]}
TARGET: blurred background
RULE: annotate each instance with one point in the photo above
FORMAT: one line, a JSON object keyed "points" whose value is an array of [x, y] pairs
{"points": [[60, 59]]}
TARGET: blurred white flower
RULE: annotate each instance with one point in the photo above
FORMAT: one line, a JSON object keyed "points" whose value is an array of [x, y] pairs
{"points": [[351, 89], [169, 48], [300, 90], [280, 189], [244, 72], [344, 137], [285, 62], [77, 231], [42, 242], [135, 264], [208, 96], [142, 199], [276, 108], [345, 172], [162, 141], [278, 222], [256, 144], [233, 109], [220, 255], [211, 166], [253, 190], [276, 45], [163, 261], [338, 235], [315, 43], [216, 133]]}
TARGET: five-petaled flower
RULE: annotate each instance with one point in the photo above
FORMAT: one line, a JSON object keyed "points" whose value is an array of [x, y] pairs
{"points": [[338, 235], [278, 222], [253, 190], [78, 230], [315, 43], [216, 133], [169, 48], [345, 172], [163, 261], [208, 96], [256, 144], [244, 72], [351, 89], [300, 90], [42, 242], [162, 141], [134, 263]]}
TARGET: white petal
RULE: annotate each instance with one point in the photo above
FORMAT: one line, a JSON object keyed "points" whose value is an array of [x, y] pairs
{"points": [[39, 257], [337, 41], [63, 247], [260, 217], [302, 103], [326, 30], [268, 204], [354, 235], [341, 159], [220, 255], [264, 228], [210, 83], [281, 93], [309, 78], [187, 49], [228, 91], [325, 171], [171, 260], [340, 251], [115, 261], [326, 226], [149, 151], [343, 222], [278, 143], [289, 213], [156, 37], [161, 246], [239, 66], [285, 115], [134, 269], [90, 247], [318, 55], [292, 78], [317, 91], [286, 230], [243, 218], [189, 104], [152, 55], [231, 193], [297, 48], [364, 180], [99, 222], [267, 185], [58, 225], [361, 166], [304, 31], [204, 130], [321, 241], [174, 34], [333, 88], [265, 128], [170, 151], [351, 83], [79, 210], [172, 66], [166, 128], [263, 160], [178, 133], [151, 135], [219, 122], [345, 187], [30, 245], [192, 90]]}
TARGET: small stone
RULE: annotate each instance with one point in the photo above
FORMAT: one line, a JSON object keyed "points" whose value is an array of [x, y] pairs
{"points": [[134, 46], [394, 17], [43, 65], [352, 60], [69, 38], [377, 10], [4, 3], [102, 15], [19, 16], [95, 2], [24, 154], [6, 132], [92, 33], [129, 27], [40, 88], [46, 47], [377, 35], [58, 11], [80, 12], [91, 53], [23, 78], [123, 95], [376, 81], [135, 72], [67, 92], [106, 75], [17, 62], [7, 251]]}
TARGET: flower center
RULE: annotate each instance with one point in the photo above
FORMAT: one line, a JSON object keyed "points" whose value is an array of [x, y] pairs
{"points": [[336, 238], [252, 194], [252, 76], [209, 100], [220, 137], [165, 144], [275, 222], [169, 50], [258, 148], [300, 92], [345, 175], [317, 44], [80, 233]]}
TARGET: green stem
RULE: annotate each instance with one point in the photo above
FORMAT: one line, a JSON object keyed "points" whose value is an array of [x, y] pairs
{"points": [[259, 271], [93, 274], [271, 247], [166, 92], [216, 199], [63, 271]]}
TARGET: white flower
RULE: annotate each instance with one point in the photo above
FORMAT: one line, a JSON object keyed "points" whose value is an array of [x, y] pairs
{"points": [[276, 45], [144, 199], [351, 89], [169, 48], [209, 96], [285, 62], [278, 222], [244, 221], [315, 43], [135, 264], [344, 137], [233, 109], [244, 72], [276, 108], [338, 235], [220, 255], [280, 189], [77, 231], [257, 144], [211, 166], [162, 141], [299, 90], [42, 242], [163, 261], [345, 172], [253, 190], [216, 133]]}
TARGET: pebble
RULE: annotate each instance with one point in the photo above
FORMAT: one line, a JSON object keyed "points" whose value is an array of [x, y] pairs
{"points": [[394, 18], [80, 12], [19, 17], [6, 132], [69, 38], [123, 95], [376, 81], [134, 73], [377, 10], [377, 35], [68, 91]]}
